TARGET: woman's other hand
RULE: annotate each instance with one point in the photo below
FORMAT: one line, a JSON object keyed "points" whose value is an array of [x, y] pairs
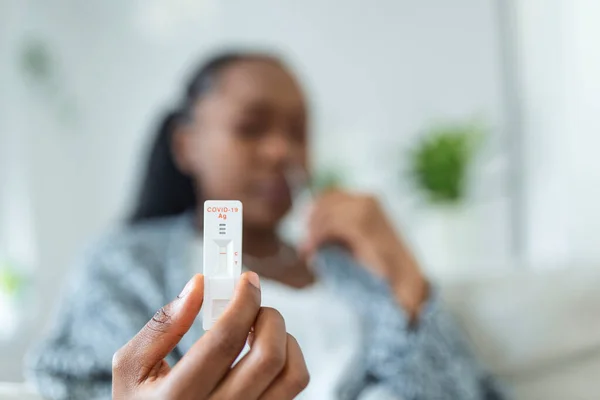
{"points": [[273, 369], [359, 223]]}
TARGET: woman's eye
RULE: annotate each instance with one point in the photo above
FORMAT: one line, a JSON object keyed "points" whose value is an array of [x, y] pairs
{"points": [[251, 129], [298, 132]]}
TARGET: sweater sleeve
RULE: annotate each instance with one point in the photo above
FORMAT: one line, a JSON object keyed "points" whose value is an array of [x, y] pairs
{"points": [[110, 297], [430, 359]]}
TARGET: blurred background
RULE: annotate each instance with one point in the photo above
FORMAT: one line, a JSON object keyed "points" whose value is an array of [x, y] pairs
{"points": [[474, 121]]}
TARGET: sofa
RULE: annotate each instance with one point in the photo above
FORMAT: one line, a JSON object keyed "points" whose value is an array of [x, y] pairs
{"points": [[538, 330]]}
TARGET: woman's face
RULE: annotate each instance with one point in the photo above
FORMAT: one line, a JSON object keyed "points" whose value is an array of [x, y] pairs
{"points": [[245, 134]]}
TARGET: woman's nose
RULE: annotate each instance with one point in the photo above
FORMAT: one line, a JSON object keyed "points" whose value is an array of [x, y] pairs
{"points": [[277, 147]]}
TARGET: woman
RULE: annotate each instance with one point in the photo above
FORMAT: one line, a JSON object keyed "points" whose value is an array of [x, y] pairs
{"points": [[354, 297]]}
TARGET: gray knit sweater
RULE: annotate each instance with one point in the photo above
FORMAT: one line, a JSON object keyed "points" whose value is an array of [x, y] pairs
{"points": [[129, 274]]}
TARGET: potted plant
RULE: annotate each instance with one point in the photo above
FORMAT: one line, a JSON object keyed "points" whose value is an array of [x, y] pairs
{"points": [[12, 284], [440, 165]]}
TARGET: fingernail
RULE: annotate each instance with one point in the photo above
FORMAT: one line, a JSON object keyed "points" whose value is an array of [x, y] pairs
{"points": [[187, 289], [254, 279]]}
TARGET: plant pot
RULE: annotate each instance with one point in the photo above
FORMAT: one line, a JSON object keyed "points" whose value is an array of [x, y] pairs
{"points": [[445, 239], [9, 316]]}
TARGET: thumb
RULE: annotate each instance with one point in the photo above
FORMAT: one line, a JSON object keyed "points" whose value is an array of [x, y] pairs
{"points": [[162, 333]]}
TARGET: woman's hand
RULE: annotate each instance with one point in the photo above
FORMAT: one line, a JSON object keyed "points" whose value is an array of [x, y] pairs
{"points": [[359, 223], [273, 369]]}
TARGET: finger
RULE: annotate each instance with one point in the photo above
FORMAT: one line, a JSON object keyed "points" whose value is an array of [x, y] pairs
{"points": [[293, 379], [333, 207], [316, 236], [331, 227], [259, 368], [318, 222], [210, 358], [162, 333], [328, 201], [324, 201], [331, 196]]}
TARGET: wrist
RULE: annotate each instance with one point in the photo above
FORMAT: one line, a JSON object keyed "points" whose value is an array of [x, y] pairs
{"points": [[412, 295], [409, 286]]}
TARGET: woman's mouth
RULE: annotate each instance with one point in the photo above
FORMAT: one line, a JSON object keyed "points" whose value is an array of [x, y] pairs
{"points": [[274, 191]]}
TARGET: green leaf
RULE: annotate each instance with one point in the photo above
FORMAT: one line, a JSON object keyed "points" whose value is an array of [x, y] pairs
{"points": [[440, 160], [327, 179], [10, 281]]}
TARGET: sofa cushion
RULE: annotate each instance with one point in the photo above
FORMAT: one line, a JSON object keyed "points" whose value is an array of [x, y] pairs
{"points": [[534, 326]]}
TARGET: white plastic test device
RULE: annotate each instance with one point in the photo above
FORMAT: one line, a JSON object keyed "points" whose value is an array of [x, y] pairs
{"points": [[222, 256]]}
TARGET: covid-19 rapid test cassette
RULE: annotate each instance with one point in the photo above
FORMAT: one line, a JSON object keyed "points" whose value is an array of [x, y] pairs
{"points": [[222, 256]]}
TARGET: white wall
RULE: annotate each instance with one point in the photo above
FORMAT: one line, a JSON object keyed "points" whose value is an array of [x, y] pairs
{"points": [[560, 63], [381, 73], [542, 59], [15, 208], [583, 128], [17, 237]]}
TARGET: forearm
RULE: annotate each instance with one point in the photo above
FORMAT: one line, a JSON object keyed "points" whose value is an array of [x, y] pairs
{"points": [[98, 314]]}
